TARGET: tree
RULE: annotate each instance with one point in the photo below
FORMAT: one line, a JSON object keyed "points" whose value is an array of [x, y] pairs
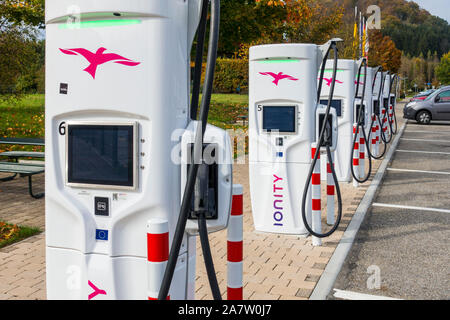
{"points": [[304, 21], [30, 12], [383, 52], [19, 61], [21, 55], [243, 21], [443, 69]]}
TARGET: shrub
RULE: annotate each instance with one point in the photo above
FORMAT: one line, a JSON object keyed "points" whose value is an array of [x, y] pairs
{"points": [[229, 75]]}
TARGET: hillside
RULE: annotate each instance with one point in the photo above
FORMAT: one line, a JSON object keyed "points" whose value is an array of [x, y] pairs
{"points": [[414, 30]]}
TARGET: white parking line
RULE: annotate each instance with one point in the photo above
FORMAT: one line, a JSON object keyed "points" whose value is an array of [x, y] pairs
{"points": [[386, 205], [425, 140], [418, 171], [426, 152], [334, 266], [350, 295], [423, 131]]}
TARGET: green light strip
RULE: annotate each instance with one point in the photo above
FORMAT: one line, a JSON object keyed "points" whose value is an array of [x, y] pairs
{"points": [[279, 61], [100, 24], [331, 70]]}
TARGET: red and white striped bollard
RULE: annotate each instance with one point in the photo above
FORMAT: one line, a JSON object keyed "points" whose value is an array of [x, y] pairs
{"points": [[330, 192], [374, 136], [235, 237], [362, 154], [356, 154], [316, 197], [157, 255]]}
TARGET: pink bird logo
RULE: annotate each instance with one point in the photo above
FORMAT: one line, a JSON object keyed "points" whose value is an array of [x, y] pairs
{"points": [[96, 292], [278, 77], [99, 58], [331, 80]]}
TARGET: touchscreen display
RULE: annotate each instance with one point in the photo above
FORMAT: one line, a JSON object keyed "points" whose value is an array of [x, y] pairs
{"points": [[279, 118], [337, 104], [101, 155]]}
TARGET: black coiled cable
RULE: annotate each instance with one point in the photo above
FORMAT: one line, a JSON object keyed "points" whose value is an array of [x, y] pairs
{"points": [[360, 125], [386, 114], [394, 115], [207, 257], [198, 145], [377, 117], [333, 45]]}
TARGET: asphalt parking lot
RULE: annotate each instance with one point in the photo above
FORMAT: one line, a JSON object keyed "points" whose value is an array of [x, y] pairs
{"points": [[402, 248]]}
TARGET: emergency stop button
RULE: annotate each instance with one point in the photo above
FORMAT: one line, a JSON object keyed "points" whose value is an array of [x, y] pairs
{"points": [[101, 206]]}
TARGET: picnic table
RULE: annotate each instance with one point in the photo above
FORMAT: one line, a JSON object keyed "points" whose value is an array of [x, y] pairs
{"points": [[12, 165]]}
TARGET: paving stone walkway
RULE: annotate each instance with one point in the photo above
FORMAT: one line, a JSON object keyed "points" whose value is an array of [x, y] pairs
{"points": [[275, 266], [22, 265]]}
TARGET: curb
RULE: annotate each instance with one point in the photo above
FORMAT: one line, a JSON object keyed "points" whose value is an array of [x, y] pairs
{"points": [[334, 266]]}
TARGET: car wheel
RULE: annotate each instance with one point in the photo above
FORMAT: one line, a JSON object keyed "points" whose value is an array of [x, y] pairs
{"points": [[423, 117]]}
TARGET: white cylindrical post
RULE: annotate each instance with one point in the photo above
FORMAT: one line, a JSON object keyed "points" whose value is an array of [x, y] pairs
{"points": [[316, 197], [330, 192], [235, 237], [157, 255]]}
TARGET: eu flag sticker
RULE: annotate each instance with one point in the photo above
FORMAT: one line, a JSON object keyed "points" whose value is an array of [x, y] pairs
{"points": [[101, 234]]}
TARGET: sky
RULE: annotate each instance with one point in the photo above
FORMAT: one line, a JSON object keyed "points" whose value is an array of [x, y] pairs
{"points": [[440, 8]]}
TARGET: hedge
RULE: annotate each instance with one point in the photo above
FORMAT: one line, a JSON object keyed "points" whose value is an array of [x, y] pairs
{"points": [[229, 75]]}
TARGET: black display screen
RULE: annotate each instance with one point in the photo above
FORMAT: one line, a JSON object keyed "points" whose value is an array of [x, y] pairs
{"points": [[376, 107], [337, 104], [101, 155], [363, 114], [279, 118], [328, 135]]}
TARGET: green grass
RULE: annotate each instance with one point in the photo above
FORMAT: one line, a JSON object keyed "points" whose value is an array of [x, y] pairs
{"points": [[225, 109], [230, 98], [10, 234], [24, 118]]}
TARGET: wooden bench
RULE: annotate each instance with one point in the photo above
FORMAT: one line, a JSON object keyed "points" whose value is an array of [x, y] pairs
{"points": [[243, 117], [21, 168]]}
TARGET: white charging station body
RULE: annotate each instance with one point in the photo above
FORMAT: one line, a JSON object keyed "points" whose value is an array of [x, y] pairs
{"points": [[386, 89], [282, 126], [343, 104], [368, 97], [117, 93], [377, 98]]}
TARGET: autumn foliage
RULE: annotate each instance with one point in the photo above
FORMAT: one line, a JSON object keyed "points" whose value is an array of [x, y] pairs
{"points": [[27, 11], [306, 21], [7, 231], [383, 52]]}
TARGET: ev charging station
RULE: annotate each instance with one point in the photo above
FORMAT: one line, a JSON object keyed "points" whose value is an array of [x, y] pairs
{"points": [[377, 87], [368, 96], [385, 102], [377, 92], [117, 120], [284, 121], [343, 103], [387, 91], [393, 102]]}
